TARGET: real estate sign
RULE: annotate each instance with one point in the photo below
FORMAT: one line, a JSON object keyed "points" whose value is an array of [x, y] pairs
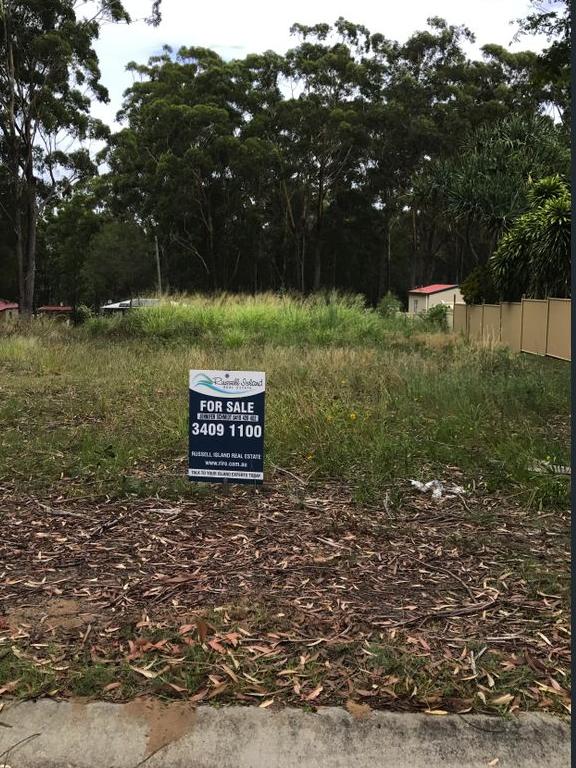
{"points": [[226, 426]]}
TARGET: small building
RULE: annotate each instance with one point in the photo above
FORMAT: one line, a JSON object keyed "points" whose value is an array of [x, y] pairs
{"points": [[8, 310], [123, 306], [55, 310], [425, 297]]}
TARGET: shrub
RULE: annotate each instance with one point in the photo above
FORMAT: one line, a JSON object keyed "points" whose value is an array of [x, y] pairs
{"points": [[437, 317], [479, 287], [81, 314], [389, 305]]}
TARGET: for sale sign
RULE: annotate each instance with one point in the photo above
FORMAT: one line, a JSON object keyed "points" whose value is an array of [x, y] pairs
{"points": [[226, 426]]}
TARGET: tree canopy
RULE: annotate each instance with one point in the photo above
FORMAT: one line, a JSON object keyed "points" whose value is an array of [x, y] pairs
{"points": [[350, 162]]}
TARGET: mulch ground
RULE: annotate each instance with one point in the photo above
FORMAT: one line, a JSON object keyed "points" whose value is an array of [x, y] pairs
{"points": [[288, 594]]}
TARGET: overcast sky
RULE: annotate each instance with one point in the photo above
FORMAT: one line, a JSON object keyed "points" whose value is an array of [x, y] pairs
{"points": [[236, 27]]}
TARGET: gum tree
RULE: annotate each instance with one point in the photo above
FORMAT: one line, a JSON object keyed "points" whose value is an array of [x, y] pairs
{"points": [[48, 75]]}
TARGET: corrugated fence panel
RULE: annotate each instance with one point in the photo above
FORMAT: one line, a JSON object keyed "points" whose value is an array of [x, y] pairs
{"points": [[460, 318], [491, 323], [475, 321], [511, 332], [559, 329], [534, 326]]}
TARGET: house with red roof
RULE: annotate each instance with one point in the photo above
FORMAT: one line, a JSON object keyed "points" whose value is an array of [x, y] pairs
{"points": [[8, 309], [55, 310], [424, 297]]}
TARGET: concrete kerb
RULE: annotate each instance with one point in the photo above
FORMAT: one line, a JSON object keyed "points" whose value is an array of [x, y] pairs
{"points": [[50, 734]]}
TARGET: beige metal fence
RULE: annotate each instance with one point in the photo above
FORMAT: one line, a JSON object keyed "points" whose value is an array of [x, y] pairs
{"points": [[536, 326]]}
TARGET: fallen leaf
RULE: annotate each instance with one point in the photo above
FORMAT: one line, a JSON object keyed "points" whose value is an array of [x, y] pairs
{"points": [[266, 703], [435, 712], [315, 693], [494, 762], [215, 645], [503, 700], [199, 695], [147, 672], [202, 629], [9, 687], [217, 691], [229, 672], [111, 686], [177, 688]]}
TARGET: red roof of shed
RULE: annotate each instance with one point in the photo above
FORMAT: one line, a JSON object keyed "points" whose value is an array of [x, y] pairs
{"points": [[7, 305], [434, 288]]}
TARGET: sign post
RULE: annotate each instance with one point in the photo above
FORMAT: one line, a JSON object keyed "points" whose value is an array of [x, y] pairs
{"points": [[226, 426]]}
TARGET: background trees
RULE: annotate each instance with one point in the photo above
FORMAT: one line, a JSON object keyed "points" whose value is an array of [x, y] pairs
{"points": [[351, 162], [48, 73]]}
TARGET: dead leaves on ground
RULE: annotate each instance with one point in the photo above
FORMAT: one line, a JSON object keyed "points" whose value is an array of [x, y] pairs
{"points": [[256, 598]]}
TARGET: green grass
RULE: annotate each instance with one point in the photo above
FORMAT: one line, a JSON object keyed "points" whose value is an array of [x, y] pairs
{"points": [[232, 322], [103, 409]]}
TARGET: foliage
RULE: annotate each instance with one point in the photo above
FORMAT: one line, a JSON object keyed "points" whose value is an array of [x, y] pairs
{"points": [[389, 305], [281, 184], [233, 321], [48, 73], [119, 261], [483, 187], [81, 314], [337, 165], [437, 317], [478, 287], [552, 72], [533, 257]]}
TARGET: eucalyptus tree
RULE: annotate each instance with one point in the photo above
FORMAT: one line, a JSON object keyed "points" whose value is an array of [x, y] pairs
{"points": [[174, 164], [323, 135], [48, 74], [551, 76]]}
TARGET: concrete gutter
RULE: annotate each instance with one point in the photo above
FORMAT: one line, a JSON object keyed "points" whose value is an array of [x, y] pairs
{"points": [[145, 731]]}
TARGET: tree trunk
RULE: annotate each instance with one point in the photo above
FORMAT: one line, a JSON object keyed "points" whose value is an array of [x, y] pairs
{"points": [[384, 272], [317, 265], [30, 254], [318, 245], [26, 222], [416, 270]]}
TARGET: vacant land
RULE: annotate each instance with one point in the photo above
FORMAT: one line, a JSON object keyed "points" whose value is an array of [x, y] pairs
{"points": [[335, 581]]}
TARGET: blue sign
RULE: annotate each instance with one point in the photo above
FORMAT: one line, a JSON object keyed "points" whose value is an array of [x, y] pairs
{"points": [[226, 426]]}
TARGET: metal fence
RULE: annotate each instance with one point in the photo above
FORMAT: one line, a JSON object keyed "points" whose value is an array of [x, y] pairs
{"points": [[536, 326]]}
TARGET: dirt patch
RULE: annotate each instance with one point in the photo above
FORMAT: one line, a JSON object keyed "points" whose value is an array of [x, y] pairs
{"points": [[166, 723], [56, 613]]}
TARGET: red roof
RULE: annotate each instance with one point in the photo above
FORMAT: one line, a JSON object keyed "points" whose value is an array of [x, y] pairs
{"points": [[434, 288], [49, 308], [7, 305]]}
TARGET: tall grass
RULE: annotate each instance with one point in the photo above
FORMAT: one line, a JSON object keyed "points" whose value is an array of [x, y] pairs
{"points": [[233, 321]]}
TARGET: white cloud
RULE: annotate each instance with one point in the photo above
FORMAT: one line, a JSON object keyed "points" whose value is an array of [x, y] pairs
{"points": [[235, 28]]}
